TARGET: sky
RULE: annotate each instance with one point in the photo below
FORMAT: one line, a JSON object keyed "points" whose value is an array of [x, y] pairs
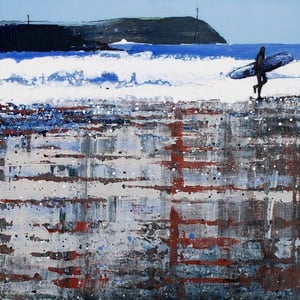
{"points": [[238, 21]]}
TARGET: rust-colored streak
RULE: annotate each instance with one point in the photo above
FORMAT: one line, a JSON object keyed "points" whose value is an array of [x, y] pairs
{"points": [[51, 177], [16, 277], [4, 249], [81, 226], [177, 151], [78, 283], [77, 227], [191, 189], [174, 235]]}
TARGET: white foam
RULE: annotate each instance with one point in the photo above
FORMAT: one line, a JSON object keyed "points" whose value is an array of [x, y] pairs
{"points": [[119, 75]]}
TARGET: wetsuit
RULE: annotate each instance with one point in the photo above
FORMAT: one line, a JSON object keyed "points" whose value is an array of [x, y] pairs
{"points": [[260, 74]]}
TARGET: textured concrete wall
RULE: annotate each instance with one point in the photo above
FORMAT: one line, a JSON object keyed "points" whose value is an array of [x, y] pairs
{"points": [[142, 200]]}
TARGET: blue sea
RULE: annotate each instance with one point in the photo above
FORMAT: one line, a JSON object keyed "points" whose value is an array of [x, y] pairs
{"points": [[237, 51]]}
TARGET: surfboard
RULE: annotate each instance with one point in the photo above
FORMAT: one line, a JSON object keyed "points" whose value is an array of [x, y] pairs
{"points": [[269, 64]]}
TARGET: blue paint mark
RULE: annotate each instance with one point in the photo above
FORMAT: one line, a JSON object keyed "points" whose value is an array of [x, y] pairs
{"points": [[192, 235], [41, 118]]}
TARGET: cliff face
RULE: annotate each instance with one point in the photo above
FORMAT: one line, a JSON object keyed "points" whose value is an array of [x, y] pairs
{"points": [[175, 30], [97, 35]]}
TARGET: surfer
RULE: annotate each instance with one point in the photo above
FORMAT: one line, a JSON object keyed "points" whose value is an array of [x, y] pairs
{"points": [[260, 74]]}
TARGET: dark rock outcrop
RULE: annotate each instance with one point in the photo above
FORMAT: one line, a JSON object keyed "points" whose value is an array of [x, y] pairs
{"points": [[173, 30], [21, 37], [98, 35]]}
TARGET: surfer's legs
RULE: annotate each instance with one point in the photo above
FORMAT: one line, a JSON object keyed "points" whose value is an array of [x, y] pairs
{"points": [[259, 91], [259, 86], [261, 80], [258, 76], [264, 78], [256, 85], [254, 88]]}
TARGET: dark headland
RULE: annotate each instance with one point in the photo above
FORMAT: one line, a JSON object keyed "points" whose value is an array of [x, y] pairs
{"points": [[99, 34]]}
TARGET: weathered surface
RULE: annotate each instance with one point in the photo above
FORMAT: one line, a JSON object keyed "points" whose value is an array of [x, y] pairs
{"points": [[142, 200]]}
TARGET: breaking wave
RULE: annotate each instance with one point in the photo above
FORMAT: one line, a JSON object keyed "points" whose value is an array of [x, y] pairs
{"points": [[140, 72]]}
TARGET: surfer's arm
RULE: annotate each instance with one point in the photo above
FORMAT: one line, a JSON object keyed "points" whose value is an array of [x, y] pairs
{"points": [[258, 61]]}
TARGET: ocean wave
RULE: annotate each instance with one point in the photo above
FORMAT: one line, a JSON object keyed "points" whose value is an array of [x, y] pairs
{"points": [[140, 75]]}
